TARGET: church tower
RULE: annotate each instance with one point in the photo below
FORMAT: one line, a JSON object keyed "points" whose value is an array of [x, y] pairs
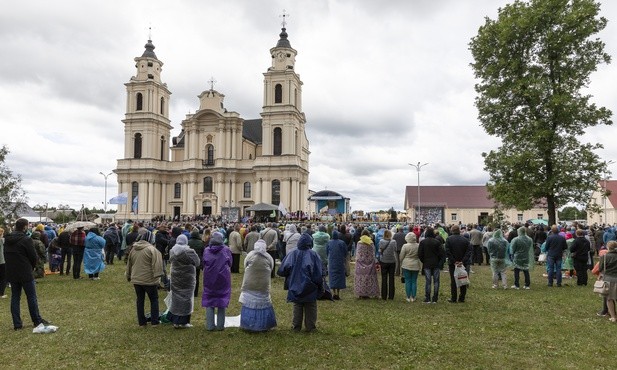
{"points": [[146, 125], [147, 131], [285, 149]]}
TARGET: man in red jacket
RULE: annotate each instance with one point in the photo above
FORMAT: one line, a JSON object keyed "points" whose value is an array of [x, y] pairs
{"points": [[21, 258]]}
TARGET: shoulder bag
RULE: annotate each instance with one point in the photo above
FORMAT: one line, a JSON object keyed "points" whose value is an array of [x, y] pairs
{"points": [[601, 286]]}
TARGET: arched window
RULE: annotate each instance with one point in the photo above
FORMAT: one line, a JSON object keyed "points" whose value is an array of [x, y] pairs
{"points": [[162, 148], [277, 145], [276, 192], [137, 146], [209, 155], [177, 190], [140, 101], [247, 189], [207, 184], [162, 105], [296, 98], [278, 93]]}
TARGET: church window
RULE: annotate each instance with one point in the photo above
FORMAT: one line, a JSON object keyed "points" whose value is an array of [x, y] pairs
{"points": [[137, 146], [207, 184], [162, 105], [209, 155], [162, 148], [278, 93], [276, 192], [140, 102], [278, 141], [247, 189], [177, 190], [296, 97]]}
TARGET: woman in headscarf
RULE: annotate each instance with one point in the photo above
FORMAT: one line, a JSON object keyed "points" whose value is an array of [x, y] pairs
{"points": [[94, 262], [217, 281], [257, 312], [184, 261], [365, 280], [291, 238], [499, 260], [337, 264], [410, 264]]}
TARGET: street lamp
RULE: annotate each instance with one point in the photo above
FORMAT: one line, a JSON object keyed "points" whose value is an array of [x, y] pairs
{"points": [[418, 167], [105, 202], [607, 164]]}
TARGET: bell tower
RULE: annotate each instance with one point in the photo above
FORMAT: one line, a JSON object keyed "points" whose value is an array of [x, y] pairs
{"points": [[147, 126], [283, 120], [283, 167]]}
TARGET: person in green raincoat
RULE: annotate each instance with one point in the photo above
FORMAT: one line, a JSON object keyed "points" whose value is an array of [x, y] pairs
{"points": [[39, 247], [523, 257], [499, 258]]}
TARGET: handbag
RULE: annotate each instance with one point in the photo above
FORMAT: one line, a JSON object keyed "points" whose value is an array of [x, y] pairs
{"points": [[601, 286]]}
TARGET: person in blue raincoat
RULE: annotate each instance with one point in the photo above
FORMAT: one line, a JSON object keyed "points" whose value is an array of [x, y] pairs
{"points": [[302, 270], [93, 254]]}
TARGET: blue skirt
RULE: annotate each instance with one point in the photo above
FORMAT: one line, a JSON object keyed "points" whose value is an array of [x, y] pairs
{"points": [[262, 319]]}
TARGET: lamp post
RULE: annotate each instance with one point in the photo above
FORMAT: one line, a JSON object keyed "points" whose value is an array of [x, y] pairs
{"points": [[607, 164], [105, 202], [418, 167]]}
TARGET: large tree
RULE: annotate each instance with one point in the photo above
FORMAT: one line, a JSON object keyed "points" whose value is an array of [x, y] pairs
{"points": [[533, 64], [12, 196]]}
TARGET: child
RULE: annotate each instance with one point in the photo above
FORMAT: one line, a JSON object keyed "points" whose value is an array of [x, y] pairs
{"points": [[302, 269], [216, 281], [55, 256]]}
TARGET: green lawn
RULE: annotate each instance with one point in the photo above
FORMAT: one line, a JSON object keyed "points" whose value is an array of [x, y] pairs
{"points": [[540, 328]]}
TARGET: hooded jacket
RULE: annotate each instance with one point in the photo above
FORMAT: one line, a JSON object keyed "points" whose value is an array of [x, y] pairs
{"points": [[145, 264], [431, 252], [302, 270], [409, 253], [217, 273], [20, 257], [522, 250]]}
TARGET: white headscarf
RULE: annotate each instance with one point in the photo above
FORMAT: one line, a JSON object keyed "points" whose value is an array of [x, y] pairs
{"points": [[260, 247]]}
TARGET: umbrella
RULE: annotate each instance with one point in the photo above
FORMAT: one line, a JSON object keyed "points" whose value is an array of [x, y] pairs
{"points": [[75, 225], [538, 221]]}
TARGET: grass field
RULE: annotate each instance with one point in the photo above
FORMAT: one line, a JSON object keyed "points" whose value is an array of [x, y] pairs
{"points": [[544, 327]]}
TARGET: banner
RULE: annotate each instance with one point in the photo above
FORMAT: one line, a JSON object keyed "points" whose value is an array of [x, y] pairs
{"points": [[282, 209], [122, 198], [135, 204]]}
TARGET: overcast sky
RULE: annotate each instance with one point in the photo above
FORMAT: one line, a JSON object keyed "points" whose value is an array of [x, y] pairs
{"points": [[386, 83]]}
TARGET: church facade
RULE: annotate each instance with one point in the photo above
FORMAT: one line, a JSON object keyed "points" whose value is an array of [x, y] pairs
{"points": [[220, 164]]}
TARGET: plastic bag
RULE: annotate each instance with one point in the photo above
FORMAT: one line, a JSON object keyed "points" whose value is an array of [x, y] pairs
{"points": [[460, 276]]}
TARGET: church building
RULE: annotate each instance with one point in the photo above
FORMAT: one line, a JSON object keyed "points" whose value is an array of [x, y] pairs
{"points": [[220, 164]]}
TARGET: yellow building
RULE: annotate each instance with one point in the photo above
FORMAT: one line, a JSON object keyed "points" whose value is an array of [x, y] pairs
{"points": [[220, 163]]}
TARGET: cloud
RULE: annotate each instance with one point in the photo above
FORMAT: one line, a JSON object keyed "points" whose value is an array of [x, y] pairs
{"points": [[385, 84]]}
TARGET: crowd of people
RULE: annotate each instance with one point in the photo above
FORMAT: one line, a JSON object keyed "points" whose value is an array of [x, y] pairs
{"points": [[315, 261]]}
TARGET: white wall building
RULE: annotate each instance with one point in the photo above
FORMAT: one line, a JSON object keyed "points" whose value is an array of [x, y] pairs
{"points": [[220, 163]]}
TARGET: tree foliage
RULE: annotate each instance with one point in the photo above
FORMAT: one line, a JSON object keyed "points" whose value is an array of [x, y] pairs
{"points": [[12, 196], [532, 64], [572, 213]]}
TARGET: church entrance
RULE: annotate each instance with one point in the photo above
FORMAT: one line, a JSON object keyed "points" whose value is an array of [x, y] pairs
{"points": [[176, 213], [206, 208]]}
